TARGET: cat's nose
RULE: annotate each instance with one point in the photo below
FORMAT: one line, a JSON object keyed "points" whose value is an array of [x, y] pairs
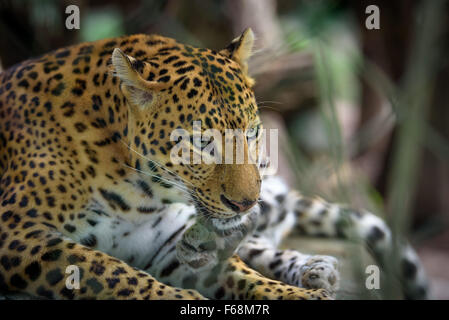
{"points": [[238, 206]]}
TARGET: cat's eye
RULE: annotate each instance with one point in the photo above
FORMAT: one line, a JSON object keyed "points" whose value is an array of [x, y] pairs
{"points": [[253, 132]]}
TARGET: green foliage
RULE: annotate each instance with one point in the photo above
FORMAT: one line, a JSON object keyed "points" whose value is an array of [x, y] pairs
{"points": [[101, 24]]}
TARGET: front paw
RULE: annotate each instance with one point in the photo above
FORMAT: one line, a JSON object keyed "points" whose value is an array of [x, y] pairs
{"points": [[320, 272], [197, 248]]}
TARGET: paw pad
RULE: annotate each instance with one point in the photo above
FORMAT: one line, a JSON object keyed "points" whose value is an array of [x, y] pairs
{"points": [[320, 272]]}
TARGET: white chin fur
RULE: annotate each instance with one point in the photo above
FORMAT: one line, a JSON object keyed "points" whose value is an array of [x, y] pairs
{"points": [[226, 224]]}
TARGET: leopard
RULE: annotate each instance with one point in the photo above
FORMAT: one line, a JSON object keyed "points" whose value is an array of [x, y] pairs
{"points": [[87, 180]]}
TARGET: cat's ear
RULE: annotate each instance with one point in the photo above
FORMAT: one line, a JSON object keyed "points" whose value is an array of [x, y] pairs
{"points": [[240, 50], [139, 92]]}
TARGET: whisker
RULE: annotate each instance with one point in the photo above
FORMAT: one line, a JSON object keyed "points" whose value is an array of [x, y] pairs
{"points": [[268, 107], [155, 162], [178, 186], [270, 101]]}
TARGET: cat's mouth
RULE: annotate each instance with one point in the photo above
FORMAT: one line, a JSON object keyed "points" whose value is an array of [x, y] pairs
{"points": [[208, 213], [227, 226], [225, 223], [240, 224]]}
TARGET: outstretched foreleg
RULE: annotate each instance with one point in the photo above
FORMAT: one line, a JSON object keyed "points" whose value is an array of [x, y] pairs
{"points": [[290, 266], [288, 210]]}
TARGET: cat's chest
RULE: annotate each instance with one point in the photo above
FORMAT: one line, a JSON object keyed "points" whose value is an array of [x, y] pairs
{"points": [[134, 220], [142, 242]]}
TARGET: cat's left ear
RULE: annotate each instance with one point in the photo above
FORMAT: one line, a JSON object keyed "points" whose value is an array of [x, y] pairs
{"points": [[240, 50], [141, 94]]}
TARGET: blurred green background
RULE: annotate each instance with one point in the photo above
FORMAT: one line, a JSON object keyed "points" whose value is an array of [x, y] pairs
{"points": [[363, 114]]}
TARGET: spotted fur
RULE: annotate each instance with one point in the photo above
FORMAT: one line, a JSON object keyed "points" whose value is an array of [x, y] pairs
{"points": [[86, 180]]}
